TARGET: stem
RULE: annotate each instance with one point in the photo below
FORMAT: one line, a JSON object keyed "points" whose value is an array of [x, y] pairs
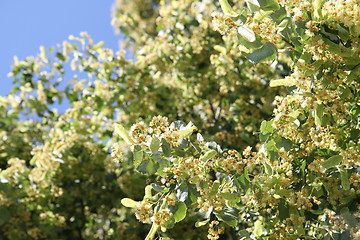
{"points": [[212, 110], [152, 232], [154, 226]]}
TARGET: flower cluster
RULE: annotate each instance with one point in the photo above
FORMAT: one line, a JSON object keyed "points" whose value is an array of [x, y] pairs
{"points": [[224, 24], [215, 230], [144, 212], [267, 29], [162, 217], [346, 12]]}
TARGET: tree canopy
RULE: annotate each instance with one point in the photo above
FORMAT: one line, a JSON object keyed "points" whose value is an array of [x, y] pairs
{"points": [[232, 120]]}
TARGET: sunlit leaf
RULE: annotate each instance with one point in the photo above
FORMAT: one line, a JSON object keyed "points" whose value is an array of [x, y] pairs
{"points": [[253, 5], [258, 228], [201, 223], [120, 130], [267, 53], [345, 183], [246, 33], [187, 132], [180, 213], [208, 155], [128, 202], [227, 9], [155, 144], [332, 161]]}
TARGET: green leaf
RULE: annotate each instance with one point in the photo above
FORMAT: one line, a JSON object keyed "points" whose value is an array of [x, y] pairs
{"points": [[201, 223], [268, 168], [344, 179], [60, 56], [260, 15], [5, 215], [158, 188], [343, 33], [269, 5], [120, 130], [244, 234], [163, 163], [98, 45], [233, 197], [338, 48], [267, 53], [214, 188], [284, 23], [253, 5], [332, 161], [165, 146], [283, 209], [148, 166], [128, 202], [182, 192], [246, 33], [155, 144], [170, 223], [281, 82], [227, 9], [350, 219], [249, 47], [284, 143], [317, 5], [259, 228], [187, 132], [283, 192], [180, 213], [266, 127], [208, 155], [220, 49], [294, 115], [319, 114], [138, 155], [317, 212], [229, 216]]}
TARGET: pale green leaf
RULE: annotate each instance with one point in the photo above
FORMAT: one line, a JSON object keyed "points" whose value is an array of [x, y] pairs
{"points": [[286, 82], [319, 114], [246, 33], [120, 130], [259, 228], [208, 155], [227, 9], [268, 168], [128, 202], [187, 132], [180, 213], [220, 49], [98, 45], [201, 223], [260, 15], [155, 144]]}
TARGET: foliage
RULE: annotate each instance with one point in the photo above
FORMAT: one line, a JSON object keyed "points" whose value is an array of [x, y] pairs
{"points": [[58, 179], [303, 182], [293, 172]]}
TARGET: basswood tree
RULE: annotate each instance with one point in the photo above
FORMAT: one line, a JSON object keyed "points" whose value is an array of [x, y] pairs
{"points": [[303, 181], [194, 126], [58, 178]]}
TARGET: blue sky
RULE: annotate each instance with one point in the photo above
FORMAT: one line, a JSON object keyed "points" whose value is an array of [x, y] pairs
{"points": [[26, 25]]}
